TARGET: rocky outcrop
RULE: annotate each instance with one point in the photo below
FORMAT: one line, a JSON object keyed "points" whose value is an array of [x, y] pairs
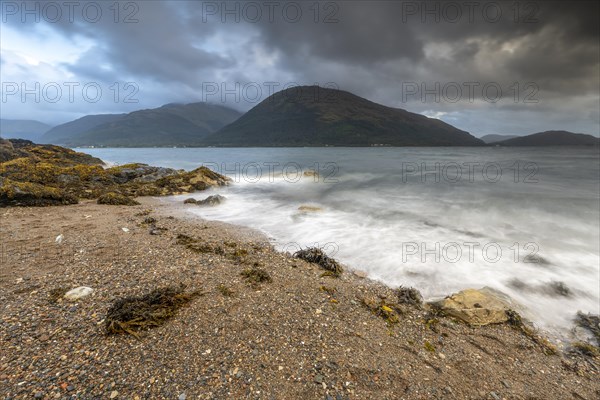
{"points": [[48, 175], [476, 306], [32, 194]]}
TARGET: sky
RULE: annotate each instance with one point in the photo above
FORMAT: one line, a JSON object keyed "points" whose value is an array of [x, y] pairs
{"points": [[487, 67]]}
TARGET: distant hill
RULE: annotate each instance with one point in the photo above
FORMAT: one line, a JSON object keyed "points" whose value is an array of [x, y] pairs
{"points": [[552, 138], [315, 116], [22, 129], [62, 133], [496, 138], [169, 125]]}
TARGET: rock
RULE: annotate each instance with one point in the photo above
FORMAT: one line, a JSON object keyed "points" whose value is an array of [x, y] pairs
{"points": [[211, 200], [308, 209], [138, 172], [114, 394], [319, 378], [360, 274], [190, 201], [46, 175], [59, 239], [27, 194], [182, 396], [78, 293], [116, 199], [476, 307]]}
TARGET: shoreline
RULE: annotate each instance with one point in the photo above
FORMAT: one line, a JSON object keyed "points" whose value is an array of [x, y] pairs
{"points": [[303, 335]]}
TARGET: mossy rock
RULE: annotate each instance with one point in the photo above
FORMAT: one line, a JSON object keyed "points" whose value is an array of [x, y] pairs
{"points": [[116, 199], [53, 175], [26, 194]]}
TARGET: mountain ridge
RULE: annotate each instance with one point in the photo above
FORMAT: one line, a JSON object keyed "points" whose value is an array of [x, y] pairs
{"points": [[316, 116], [168, 125], [552, 138]]}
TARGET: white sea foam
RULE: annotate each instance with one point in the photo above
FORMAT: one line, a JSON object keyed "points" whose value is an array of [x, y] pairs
{"points": [[372, 215]]}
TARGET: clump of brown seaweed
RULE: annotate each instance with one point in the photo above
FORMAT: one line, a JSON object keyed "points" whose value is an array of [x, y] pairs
{"points": [[318, 256], [132, 314]]}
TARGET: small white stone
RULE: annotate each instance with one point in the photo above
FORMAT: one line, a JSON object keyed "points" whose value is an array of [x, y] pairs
{"points": [[78, 293], [125, 229], [59, 239]]}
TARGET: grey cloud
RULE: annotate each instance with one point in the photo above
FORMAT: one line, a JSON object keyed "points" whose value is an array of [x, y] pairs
{"points": [[372, 50]]}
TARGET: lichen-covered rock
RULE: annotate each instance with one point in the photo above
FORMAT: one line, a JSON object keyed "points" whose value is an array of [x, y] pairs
{"points": [[116, 199], [139, 172], [63, 175], [57, 155], [32, 194], [8, 151], [476, 306]]}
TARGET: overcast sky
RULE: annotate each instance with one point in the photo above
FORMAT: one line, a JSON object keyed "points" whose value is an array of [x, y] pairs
{"points": [[521, 67]]}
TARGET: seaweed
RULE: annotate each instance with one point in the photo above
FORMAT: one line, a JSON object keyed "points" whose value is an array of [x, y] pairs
{"points": [[388, 311], [194, 245], [589, 322], [116, 199], [429, 347], [256, 275], [57, 294], [409, 295], [516, 321], [318, 256], [585, 349], [225, 291], [132, 314]]}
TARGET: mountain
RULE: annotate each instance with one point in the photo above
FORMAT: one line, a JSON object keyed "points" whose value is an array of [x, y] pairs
{"points": [[315, 116], [22, 129], [552, 138], [62, 133], [489, 139], [169, 125]]}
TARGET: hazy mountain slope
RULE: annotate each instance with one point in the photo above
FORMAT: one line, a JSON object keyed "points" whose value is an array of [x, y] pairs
{"points": [[62, 133], [22, 129], [169, 125], [553, 138], [313, 116], [496, 138]]}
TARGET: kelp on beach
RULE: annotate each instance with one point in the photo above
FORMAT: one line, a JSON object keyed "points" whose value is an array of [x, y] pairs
{"points": [[132, 314]]}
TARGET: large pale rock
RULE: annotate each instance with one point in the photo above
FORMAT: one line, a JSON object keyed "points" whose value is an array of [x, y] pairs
{"points": [[476, 306], [78, 293]]}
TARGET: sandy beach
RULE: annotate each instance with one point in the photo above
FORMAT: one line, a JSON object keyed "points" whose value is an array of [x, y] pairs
{"points": [[302, 335]]}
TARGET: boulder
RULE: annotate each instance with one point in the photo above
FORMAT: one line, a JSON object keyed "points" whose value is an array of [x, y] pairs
{"points": [[476, 306], [78, 293], [211, 200]]}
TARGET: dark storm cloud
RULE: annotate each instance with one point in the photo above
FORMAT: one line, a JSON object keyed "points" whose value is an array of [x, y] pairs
{"points": [[371, 48]]}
